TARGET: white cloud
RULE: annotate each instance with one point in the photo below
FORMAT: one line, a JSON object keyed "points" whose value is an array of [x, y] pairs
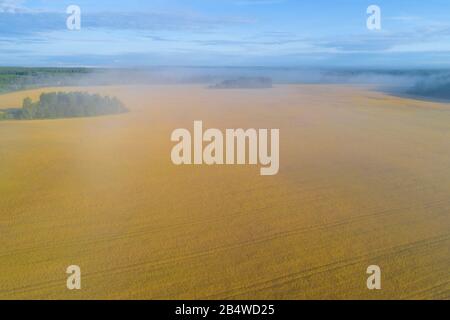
{"points": [[404, 18], [256, 2], [11, 6]]}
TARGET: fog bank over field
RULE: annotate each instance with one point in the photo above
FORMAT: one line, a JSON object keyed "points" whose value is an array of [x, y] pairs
{"points": [[420, 83], [417, 83]]}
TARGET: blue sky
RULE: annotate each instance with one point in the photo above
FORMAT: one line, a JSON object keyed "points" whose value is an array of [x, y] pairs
{"points": [[414, 33]]}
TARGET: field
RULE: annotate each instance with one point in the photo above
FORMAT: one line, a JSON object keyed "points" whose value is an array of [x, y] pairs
{"points": [[364, 179]]}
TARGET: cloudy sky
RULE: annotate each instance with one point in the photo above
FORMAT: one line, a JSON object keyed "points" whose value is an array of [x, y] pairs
{"points": [[414, 33]]}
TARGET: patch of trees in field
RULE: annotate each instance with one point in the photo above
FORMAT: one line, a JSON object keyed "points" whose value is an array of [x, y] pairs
{"points": [[64, 105], [245, 83]]}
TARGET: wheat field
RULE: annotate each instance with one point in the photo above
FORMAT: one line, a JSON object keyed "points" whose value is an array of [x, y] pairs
{"points": [[364, 179]]}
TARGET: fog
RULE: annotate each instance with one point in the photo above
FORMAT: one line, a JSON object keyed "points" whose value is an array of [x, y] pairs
{"points": [[419, 83]]}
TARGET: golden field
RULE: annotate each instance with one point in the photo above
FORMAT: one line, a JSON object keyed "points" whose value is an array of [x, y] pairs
{"points": [[364, 179]]}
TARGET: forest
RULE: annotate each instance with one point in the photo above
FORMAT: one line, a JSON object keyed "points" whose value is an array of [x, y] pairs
{"points": [[16, 78], [56, 105]]}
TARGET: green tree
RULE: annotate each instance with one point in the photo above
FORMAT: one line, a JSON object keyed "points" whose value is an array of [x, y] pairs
{"points": [[65, 105]]}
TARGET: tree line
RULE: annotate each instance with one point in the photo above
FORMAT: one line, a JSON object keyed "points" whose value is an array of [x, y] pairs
{"points": [[64, 105], [16, 78]]}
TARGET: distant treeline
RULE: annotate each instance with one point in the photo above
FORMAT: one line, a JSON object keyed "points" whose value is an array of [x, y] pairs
{"points": [[15, 78], [64, 105], [421, 83], [437, 87]]}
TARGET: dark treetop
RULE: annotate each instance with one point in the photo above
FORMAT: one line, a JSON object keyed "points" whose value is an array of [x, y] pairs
{"points": [[64, 105]]}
